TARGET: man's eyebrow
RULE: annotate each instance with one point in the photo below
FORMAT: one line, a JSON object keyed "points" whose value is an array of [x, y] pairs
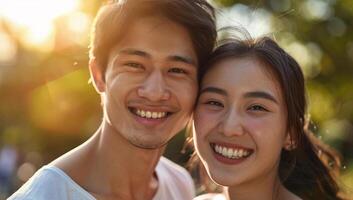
{"points": [[177, 58], [260, 94], [135, 52], [214, 90], [183, 59]]}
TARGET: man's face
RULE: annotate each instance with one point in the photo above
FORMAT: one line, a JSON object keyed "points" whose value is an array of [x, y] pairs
{"points": [[151, 82]]}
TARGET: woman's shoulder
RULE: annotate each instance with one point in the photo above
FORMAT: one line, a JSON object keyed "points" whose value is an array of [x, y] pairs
{"points": [[211, 196]]}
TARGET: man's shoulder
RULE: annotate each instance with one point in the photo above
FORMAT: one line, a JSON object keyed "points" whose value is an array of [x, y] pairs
{"points": [[176, 182], [41, 182], [170, 168], [49, 182]]}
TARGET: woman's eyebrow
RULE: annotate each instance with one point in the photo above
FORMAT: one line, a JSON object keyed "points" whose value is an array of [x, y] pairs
{"points": [[214, 90], [260, 94]]}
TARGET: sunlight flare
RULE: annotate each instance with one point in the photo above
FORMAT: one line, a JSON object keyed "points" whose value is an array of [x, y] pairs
{"points": [[34, 20]]}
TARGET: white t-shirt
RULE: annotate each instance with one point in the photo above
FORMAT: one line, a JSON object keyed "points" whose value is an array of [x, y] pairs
{"points": [[211, 196], [52, 183]]}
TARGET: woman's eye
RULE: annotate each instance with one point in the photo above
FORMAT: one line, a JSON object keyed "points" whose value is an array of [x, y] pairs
{"points": [[214, 103], [177, 70], [257, 108]]}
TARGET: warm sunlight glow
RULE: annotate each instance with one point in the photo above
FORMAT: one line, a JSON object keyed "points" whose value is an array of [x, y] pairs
{"points": [[28, 13], [78, 24], [8, 48], [40, 36], [256, 21], [35, 18]]}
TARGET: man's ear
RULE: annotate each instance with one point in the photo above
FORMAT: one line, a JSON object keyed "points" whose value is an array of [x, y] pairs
{"points": [[289, 143], [97, 75]]}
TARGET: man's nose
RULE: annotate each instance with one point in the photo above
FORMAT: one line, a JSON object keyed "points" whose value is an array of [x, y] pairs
{"points": [[154, 87]]}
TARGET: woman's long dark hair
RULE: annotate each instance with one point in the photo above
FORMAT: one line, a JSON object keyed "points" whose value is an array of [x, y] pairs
{"points": [[310, 168]]}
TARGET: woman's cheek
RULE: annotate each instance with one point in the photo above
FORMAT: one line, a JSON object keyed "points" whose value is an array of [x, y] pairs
{"points": [[261, 127], [204, 121]]}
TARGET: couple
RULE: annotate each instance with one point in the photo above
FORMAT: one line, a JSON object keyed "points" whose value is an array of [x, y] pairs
{"points": [[149, 60]]}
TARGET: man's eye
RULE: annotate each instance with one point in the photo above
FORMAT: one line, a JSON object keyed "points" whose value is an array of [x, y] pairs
{"points": [[133, 65], [177, 70], [257, 108]]}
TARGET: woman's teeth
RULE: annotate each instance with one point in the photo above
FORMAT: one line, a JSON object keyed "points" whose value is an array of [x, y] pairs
{"points": [[150, 114], [232, 153]]}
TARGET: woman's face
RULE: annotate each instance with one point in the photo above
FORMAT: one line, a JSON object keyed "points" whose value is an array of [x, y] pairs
{"points": [[240, 122]]}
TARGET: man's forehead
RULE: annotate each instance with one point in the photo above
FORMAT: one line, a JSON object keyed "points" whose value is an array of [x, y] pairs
{"points": [[157, 36]]}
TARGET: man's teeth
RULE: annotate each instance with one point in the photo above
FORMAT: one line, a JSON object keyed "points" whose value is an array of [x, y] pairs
{"points": [[150, 114], [232, 153]]}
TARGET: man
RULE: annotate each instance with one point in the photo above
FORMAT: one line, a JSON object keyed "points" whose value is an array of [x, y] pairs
{"points": [[144, 60]]}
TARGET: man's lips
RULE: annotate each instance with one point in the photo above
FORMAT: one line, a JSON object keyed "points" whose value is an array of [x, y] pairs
{"points": [[150, 113], [149, 117]]}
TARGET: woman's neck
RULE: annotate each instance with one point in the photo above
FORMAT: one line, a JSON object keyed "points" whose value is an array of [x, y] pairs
{"points": [[265, 189]]}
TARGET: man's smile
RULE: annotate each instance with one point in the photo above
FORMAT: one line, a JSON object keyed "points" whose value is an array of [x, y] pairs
{"points": [[149, 114]]}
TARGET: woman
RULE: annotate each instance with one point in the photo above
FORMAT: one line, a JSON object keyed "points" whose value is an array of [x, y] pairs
{"points": [[250, 127]]}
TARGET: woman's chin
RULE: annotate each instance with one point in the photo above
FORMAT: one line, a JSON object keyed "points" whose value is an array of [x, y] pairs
{"points": [[224, 180]]}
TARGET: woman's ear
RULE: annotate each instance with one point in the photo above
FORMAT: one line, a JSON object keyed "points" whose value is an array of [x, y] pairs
{"points": [[97, 75], [289, 143]]}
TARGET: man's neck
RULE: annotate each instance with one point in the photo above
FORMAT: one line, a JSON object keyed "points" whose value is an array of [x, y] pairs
{"points": [[109, 167], [124, 166]]}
